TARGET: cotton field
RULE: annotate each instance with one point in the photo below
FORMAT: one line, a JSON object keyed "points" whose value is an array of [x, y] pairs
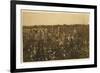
{"points": [[55, 42]]}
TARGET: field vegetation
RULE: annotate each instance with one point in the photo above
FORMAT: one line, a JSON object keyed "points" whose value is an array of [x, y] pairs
{"points": [[55, 42]]}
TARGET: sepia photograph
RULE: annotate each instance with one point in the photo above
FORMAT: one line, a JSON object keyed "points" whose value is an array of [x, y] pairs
{"points": [[51, 35]]}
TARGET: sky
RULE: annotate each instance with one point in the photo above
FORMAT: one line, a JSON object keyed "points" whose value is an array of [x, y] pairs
{"points": [[29, 18]]}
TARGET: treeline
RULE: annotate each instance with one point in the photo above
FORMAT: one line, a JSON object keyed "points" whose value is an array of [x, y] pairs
{"points": [[55, 42]]}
